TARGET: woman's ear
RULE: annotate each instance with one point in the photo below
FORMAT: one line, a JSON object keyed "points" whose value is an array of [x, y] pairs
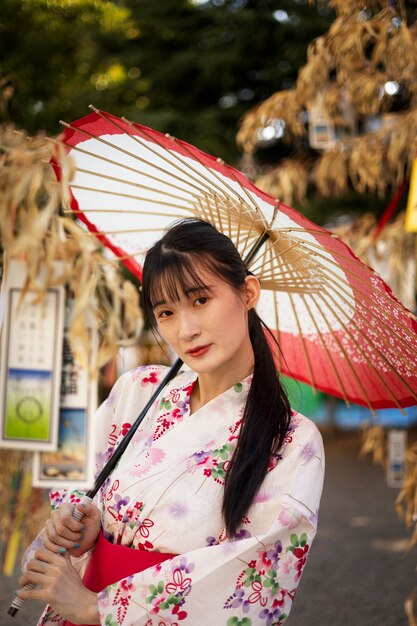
{"points": [[252, 291]]}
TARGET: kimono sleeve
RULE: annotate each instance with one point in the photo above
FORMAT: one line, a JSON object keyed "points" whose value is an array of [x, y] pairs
{"points": [[249, 581]]}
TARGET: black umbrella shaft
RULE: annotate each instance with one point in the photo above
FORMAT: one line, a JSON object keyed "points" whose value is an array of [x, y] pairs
{"points": [[112, 462], [255, 248]]}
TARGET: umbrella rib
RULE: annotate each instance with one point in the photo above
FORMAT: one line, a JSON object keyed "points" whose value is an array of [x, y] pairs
{"points": [[131, 196], [319, 334], [194, 157], [118, 164], [278, 351], [380, 354], [134, 156], [347, 360], [305, 351], [248, 238], [133, 184], [133, 212], [289, 269], [276, 256], [216, 204], [175, 156]]}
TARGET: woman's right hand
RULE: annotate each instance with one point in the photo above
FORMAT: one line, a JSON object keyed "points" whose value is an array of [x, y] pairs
{"points": [[63, 530]]}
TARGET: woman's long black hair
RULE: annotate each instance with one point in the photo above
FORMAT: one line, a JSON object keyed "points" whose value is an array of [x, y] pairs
{"points": [[170, 266]]}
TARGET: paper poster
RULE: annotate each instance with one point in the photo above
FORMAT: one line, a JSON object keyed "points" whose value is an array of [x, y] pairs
{"points": [[396, 448], [72, 464], [31, 350]]}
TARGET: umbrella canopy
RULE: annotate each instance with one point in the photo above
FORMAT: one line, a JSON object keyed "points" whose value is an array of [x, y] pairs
{"points": [[339, 327]]}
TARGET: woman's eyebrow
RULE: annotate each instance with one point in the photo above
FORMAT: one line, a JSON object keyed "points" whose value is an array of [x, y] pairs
{"points": [[187, 293]]}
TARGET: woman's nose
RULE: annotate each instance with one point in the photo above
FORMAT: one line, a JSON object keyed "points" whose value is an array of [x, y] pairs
{"points": [[188, 326]]}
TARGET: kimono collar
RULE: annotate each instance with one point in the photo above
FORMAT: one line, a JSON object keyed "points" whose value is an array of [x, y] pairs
{"points": [[180, 388]]}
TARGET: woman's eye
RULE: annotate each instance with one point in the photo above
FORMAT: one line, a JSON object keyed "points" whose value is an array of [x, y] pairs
{"points": [[201, 300], [163, 314]]}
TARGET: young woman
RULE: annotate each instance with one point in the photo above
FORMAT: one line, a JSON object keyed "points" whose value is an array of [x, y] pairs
{"points": [[221, 474]]}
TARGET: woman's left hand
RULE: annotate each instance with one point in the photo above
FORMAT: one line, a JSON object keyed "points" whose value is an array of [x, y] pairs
{"points": [[58, 584]]}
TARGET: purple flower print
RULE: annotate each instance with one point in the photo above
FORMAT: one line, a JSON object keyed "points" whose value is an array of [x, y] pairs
{"points": [[200, 457], [183, 407], [119, 501], [242, 534], [184, 566], [211, 541], [308, 451], [274, 554], [270, 616], [237, 600]]}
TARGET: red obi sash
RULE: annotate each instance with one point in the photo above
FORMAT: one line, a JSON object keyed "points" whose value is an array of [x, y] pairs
{"points": [[110, 562]]}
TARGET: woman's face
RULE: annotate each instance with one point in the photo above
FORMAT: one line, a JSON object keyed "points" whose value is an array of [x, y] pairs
{"points": [[208, 327]]}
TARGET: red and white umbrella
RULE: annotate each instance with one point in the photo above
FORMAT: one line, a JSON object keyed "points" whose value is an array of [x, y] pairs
{"points": [[339, 327]]}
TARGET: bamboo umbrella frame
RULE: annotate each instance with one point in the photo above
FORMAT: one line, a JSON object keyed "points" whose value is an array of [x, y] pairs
{"points": [[288, 262]]}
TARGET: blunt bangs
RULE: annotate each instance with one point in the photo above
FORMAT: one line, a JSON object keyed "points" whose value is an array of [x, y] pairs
{"points": [[175, 274]]}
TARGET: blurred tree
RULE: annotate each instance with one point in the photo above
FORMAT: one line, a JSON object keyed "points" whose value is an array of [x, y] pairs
{"points": [[188, 67]]}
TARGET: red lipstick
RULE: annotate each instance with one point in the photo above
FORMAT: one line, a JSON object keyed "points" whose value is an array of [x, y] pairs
{"points": [[198, 351]]}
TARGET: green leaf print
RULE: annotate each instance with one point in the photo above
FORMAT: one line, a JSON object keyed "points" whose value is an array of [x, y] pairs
{"points": [[235, 621], [294, 540], [238, 387], [108, 621]]}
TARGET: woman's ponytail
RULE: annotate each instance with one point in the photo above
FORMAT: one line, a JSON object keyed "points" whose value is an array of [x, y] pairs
{"points": [[265, 422]]}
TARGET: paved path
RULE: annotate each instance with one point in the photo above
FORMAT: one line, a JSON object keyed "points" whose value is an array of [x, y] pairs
{"points": [[357, 574]]}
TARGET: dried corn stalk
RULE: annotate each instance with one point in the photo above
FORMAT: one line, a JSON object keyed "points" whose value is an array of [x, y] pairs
{"points": [[330, 173], [373, 443], [33, 229], [288, 182]]}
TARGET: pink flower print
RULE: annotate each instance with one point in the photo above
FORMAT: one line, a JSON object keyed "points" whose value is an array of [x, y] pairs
{"points": [[126, 586], [207, 472], [179, 584], [175, 396], [180, 615], [125, 428], [256, 595], [290, 518], [152, 457], [151, 379], [56, 498], [287, 563], [144, 527]]}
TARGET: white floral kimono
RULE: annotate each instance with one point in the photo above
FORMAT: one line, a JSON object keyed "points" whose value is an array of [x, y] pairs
{"points": [[166, 495]]}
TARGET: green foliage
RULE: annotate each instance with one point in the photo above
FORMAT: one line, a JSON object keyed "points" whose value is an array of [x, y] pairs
{"points": [[190, 68]]}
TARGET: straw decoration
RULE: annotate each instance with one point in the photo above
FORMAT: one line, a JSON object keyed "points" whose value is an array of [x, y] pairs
{"points": [[373, 443], [34, 229], [288, 182], [365, 49]]}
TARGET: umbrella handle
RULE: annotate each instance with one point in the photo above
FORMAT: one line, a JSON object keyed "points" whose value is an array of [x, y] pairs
{"points": [[17, 603]]}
